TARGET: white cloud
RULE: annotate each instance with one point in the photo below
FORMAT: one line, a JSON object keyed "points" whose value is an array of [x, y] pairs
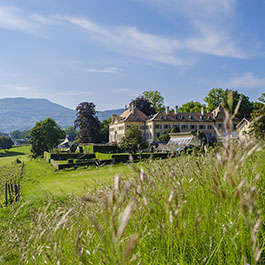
{"points": [[18, 88], [173, 51], [74, 92], [248, 80], [13, 18], [110, 70]]}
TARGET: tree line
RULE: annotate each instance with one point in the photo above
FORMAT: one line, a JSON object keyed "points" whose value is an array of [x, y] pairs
{"points": [[87, 128]]}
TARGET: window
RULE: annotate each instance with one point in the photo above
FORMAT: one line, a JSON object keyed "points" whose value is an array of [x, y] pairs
{"points": [[166, 126], [184, 127], [193, 127], [157, 126], [201, 117], [191, 117], [202, 127], [209, 118], [209, 127]]}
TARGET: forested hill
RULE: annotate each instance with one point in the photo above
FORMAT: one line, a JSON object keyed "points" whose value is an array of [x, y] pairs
{"points": [[23, 113]]}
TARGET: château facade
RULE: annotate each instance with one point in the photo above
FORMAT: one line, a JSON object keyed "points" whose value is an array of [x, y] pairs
{"points": [[154, 126]]}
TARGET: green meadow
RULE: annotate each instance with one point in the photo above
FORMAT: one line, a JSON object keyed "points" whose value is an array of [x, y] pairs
{"points": [[194, 209]]}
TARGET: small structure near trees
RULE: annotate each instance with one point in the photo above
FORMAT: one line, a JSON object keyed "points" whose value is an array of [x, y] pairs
{"points": [[180, 141]]}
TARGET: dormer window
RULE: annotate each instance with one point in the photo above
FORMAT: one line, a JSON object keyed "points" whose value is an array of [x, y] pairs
{"points": [[191, 117], [162, 117], [137, 118], [183, 117], [201, 117], [209, 117]]}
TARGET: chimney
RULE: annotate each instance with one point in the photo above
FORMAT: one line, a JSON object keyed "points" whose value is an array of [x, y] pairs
{"points": [[202, 111], [113, 118], [176, 110], [167, 110]]}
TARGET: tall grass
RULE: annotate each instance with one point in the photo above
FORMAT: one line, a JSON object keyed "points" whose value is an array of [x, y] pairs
{"points": [[198, 209]]}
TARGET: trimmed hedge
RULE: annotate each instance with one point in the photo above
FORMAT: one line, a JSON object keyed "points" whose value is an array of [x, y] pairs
{"points": [[81, 164], [123, 158], [100, 148], [64, 156]]}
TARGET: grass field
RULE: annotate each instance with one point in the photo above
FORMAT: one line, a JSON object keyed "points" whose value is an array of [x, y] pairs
{"points": [[198, 209], [41, 179]]}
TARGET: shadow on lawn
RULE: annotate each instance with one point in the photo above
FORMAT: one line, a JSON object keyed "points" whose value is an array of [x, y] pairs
{"points": [[8, 153]]}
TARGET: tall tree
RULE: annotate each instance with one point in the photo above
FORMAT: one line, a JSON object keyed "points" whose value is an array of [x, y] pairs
{"points": [[192, 107], [5, 142], [144, 105], [104, 130], [87, 122], [214, 98], [229, 99], [245, 108], [155, 98], [133, 140], [45, 136], [258, 123]]}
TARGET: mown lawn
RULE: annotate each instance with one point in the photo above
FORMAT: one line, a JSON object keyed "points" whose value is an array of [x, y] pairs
{"points": [[9, 156], [41, 179]]}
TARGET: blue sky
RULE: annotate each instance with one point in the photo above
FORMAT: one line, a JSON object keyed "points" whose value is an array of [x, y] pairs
{"points": [[108, 52]]}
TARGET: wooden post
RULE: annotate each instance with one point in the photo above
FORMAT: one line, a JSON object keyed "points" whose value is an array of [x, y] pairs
{"points": [[6, 199], [9, 191]]}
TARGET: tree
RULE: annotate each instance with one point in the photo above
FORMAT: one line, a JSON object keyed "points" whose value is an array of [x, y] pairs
{"points": [[87, 122], [71, 133], [144, 105], [245, 108], [16, 134], [192, 107], [262, 98], [104, 130], [164, 137], [44, 136], [5, 142], [155, 98], [229, 99], [214, 98], [258, 123], [133, 140]]}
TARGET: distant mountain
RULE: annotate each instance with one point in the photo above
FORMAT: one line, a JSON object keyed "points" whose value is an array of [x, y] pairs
{"points": [[23, 113]]}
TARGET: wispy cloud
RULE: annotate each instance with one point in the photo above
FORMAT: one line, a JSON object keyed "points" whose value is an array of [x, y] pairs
{"points": [[109, 70], [173, 51], [18, 88], [13, 18], [248, 80], [74, 92]]}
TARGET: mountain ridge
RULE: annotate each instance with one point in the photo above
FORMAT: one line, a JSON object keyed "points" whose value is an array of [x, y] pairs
{"points": [[21, 113]]}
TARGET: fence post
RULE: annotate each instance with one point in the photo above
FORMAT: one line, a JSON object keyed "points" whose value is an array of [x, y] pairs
{"points": [[6, 199]]}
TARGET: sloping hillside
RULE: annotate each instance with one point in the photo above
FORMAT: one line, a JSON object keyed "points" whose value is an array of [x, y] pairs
{"points": [[23, 113]]}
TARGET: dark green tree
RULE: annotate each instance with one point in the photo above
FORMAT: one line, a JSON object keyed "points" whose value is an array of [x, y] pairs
{"points": [[133, 140], [229, 99], [45, 136], [71, 133], [214, 98], [87, 122], [5, 142], [192, 107], [104, 131], [258, 123], [164, 137], [16, 134], [144, 105], [155, 98]]}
